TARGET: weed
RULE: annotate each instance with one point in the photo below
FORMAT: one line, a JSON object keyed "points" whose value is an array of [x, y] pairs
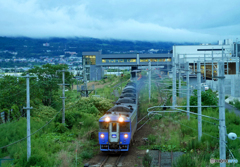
{"points": [[152, 139], [147, 159]]}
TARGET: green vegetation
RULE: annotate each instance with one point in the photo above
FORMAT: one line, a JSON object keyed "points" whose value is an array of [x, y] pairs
{"points": [[235, 103], [56, 144], [174, 132], [208, 98], [147, 159]]}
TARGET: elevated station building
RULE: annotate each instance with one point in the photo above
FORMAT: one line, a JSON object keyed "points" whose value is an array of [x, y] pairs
{"points": [[94, 62]]}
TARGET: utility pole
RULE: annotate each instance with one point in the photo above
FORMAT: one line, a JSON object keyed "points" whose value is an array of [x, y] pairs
{"points": [[173, 82], [188, 91], [63, 95], [212, 69], [227, 65], [222, 125], [149, 79], [194, 67], [205, 77], [28, 108], [85, 77], [199, 101], [179, 76], [237, 63]]}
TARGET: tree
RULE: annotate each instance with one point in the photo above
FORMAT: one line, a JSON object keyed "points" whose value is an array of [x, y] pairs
{"points": [[49, 78]]}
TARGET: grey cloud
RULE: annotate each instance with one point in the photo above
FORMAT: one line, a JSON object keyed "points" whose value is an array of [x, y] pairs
{"points": [[154, 20]]}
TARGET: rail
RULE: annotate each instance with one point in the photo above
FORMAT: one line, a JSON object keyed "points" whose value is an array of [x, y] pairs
{"points": [[108, 157]]}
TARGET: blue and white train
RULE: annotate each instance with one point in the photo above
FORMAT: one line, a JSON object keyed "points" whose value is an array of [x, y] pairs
{"points": [[118, 125]]}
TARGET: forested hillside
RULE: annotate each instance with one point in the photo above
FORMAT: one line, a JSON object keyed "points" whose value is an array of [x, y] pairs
{"points": [[29, 47]]}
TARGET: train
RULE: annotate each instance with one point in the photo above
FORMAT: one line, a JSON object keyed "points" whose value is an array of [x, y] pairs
{"points": [[118, 125]]}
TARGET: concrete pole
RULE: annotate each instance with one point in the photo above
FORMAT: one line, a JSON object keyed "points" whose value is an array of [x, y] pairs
{"points": [[236, 48], [149, 79], [222, 143], [194, 67], [28, 108], [237, 65], [63, 96], [173, 82], [227, 65], [212, 69], [188, 91], [85, 77], [179, 75], [205, 77], [199, 101]]}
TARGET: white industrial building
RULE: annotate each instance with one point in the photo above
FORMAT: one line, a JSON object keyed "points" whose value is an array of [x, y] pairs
{"points": [[209, 56]]}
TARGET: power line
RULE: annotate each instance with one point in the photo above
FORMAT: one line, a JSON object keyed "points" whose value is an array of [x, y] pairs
{"points": [[39, 128], [30, 134]]}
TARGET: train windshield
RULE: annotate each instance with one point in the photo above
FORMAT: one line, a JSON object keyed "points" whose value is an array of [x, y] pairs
{"points": [[103, 126], [124, 127]]}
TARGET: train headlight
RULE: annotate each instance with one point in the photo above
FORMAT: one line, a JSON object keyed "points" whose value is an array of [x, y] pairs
{"points": [[102, 135], [125, 135], [107, 119], [121, 119]]}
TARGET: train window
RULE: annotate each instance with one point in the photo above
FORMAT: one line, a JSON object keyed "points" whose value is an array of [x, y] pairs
{"points": [[114, 127], [124, 127], [103, 126]]}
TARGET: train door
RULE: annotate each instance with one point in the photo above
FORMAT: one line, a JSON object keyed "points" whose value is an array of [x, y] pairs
{"points": [[114, 132]]}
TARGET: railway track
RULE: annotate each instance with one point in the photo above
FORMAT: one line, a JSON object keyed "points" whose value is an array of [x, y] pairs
{"points": [[112, 161]]}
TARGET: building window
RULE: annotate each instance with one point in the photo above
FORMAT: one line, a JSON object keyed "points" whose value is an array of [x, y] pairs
{"points": [[118, 60], [90, 59], [154, 60]]}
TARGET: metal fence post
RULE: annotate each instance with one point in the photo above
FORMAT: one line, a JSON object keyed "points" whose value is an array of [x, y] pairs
{"points": [[222, 144], [188, 91], [199, 101]]}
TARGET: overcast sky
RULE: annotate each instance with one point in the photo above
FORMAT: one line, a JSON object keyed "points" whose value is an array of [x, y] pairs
{"points": [[151, 20]]}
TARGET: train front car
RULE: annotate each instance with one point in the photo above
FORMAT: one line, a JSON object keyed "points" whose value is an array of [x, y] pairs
{"points": [[118, 125]]}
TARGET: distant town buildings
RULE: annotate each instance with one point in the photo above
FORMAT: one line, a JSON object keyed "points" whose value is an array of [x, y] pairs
{"points": [[46, 44]]}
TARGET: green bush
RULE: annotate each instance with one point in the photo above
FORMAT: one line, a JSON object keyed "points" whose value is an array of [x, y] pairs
{"points": [[37, 160], [208, 98]]}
